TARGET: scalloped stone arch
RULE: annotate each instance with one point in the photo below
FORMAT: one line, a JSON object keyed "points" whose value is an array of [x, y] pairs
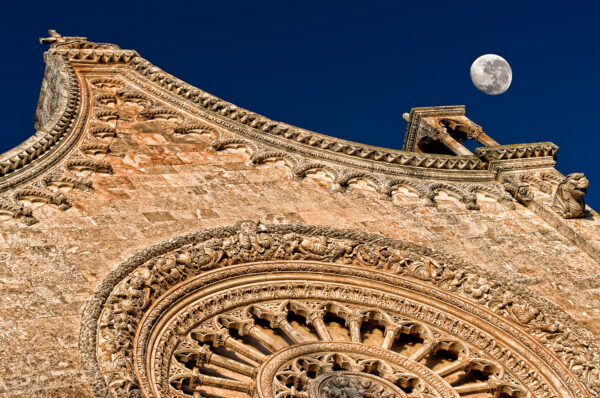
{"points": [[564, 354]]}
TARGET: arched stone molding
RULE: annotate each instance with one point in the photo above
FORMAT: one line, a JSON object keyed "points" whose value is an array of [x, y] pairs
{"points": [[123, 77], [158, 306], [57, 112]]}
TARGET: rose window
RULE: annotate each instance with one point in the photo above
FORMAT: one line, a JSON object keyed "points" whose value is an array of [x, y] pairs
{"points": [[313, 348], [267, 315]]}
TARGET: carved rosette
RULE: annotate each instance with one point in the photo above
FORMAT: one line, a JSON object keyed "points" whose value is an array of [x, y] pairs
{"points": [[293, 311]]}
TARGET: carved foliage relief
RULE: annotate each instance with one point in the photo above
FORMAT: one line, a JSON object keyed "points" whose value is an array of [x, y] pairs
{"points": [[294, 311]]}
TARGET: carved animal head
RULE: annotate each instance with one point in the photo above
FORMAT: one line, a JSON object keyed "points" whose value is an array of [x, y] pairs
{"points": [[575, 184], [568, 200]]}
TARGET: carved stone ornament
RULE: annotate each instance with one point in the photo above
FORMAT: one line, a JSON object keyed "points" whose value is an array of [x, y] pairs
{"points": [[568, 199], [515, 185], [90, 89], [272, 311], [517, 151]]}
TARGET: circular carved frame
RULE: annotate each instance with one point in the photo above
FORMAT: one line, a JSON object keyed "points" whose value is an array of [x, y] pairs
{"points": [[150, 319]]}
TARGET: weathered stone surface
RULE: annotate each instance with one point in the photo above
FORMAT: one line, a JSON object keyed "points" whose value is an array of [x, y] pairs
{"points": [[172, 167]]}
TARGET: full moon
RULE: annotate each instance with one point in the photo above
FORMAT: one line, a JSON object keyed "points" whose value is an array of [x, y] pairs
{"points": [[491, 74]]}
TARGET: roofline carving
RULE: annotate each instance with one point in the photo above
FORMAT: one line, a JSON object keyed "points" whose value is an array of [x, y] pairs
{"points": [[517, 151], [280, 135], [64, 114], [416, 114], [51, 141], [56, 135], [55, 138], [305, 141]]}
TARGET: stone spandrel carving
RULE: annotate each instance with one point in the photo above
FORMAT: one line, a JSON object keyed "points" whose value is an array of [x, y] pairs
{"points": [[568, 199], [554, 357]]}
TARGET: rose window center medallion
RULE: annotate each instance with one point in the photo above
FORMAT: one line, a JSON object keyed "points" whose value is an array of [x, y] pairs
{"points": [[350, 384], [334, 369]]}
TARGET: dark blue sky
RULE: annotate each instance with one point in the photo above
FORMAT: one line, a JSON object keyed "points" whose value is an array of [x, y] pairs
{"points": [[346, 69]]}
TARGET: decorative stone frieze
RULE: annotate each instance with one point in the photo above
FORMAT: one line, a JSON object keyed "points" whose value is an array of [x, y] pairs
{"points": [[292, 137], [341, 177], [164, 323], [17, 211], [260, 310], [274, 136], [53, 140], [517, 151]]}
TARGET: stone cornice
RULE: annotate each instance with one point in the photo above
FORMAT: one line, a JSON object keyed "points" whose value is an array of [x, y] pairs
{"points": [[517, 151], [50, 143], [334, 148], [57, 136], [102, 56]]}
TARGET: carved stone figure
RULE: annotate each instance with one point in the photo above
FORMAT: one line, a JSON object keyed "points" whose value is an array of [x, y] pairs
{"points": [[568, 199], [304, 309], [109, 203], [350, 386], [518, 189]]}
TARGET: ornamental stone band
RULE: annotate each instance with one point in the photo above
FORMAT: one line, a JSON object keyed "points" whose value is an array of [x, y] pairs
{"points": [[157, 241]]}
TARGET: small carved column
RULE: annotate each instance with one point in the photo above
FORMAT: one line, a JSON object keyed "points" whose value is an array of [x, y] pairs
{"points": [[478, 135], [250, 329], [315, 318], [480, 387], [452, 144], [279, 321], [205, 356], [354, 319], [428, 345], [199, 379], [221, 338], [486, 140], [391, 332], [452, 367]]}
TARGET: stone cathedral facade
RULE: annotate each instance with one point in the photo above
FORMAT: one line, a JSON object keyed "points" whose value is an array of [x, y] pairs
{"points": [[157, 241]]}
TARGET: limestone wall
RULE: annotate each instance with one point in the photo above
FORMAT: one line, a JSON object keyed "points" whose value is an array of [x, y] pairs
{"points": [[164, 186], [153, 180]]}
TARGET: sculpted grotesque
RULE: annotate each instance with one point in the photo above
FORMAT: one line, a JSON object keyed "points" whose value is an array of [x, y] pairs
{"points": [[568, 200], [521, 191]]}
